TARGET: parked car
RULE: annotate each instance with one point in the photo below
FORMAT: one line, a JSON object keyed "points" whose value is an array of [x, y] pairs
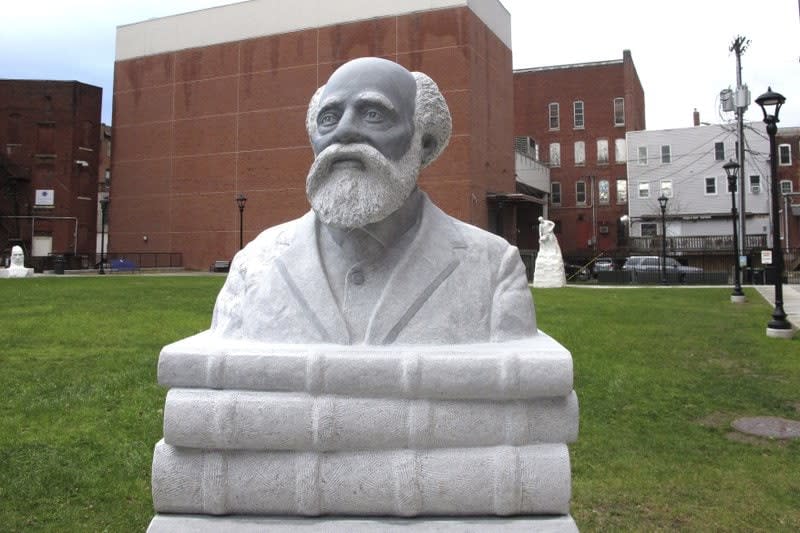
{"points": [[652, 263], [604, 264]]}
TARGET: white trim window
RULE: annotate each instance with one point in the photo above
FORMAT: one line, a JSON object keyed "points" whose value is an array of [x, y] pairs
{"points": [[580, 193], [666, 154], [644, 189], [710, 186], [555, 154], [620, 151], [622, 190], [719, 151], [602, 151], [603, 192], [642, 155], [577, 115], [786, 186], [784, 155], [554, 116], [555, 193], [580, 153], [666, 188], [755, 184], [619, 111]]}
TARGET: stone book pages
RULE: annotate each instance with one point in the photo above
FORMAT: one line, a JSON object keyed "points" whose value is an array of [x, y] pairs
{"points": [[245, 420], [497, 481], [535, 367]]}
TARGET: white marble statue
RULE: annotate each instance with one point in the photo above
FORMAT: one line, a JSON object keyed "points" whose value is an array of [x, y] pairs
{"points": [[549, 267], [374, 261], [17, 267], [374, 365]]}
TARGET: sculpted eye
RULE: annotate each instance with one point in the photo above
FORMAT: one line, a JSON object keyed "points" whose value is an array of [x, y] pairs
{"points": [[327, 118], [373, 115]]}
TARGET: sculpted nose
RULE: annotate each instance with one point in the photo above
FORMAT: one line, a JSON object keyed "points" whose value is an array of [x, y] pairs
{"points": [[347, 131]]}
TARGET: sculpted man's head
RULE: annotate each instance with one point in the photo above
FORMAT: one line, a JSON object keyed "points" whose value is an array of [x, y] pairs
{"points": [[373, 127], [17, 257]]}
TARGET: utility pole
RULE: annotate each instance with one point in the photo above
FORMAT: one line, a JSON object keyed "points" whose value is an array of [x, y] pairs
{"points": [[742, 100]]}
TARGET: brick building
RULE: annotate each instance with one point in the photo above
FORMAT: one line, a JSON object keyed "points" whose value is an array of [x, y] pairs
{"points": [[788, 144], [574, 119], [49, 134], [212, 103]]}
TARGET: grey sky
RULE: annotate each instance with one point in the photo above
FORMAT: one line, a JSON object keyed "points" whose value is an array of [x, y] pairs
{"points": [[680, 48]]}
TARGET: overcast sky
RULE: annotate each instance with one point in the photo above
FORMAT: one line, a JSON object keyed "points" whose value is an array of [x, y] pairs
{"points": [[680, 48]]}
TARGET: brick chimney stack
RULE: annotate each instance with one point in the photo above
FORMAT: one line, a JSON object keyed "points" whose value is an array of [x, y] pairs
{"points": [[696, 117]]}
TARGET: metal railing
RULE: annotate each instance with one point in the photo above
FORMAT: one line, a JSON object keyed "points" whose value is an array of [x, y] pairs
{"points": [[697, 243]]}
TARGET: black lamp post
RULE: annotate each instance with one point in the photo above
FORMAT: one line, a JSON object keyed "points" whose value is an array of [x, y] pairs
{"points": [[731, 168], [103, 206], [241, 199], [662, 203], [771, 103]]}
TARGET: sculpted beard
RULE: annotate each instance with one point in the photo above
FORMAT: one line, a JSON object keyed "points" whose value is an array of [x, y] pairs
{"points": [[365, 188]]}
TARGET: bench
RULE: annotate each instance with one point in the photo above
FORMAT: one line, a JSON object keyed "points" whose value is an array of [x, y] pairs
{"points": [[221, 266]]}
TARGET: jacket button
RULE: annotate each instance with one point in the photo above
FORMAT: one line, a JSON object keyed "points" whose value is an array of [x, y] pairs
{"points": [[357, 277]]}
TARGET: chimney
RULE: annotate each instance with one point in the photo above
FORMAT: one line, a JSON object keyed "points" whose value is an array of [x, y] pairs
{"points": [[696, 117]]}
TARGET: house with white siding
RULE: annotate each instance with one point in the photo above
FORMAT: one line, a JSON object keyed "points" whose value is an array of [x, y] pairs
{"points": [[685, 165]]}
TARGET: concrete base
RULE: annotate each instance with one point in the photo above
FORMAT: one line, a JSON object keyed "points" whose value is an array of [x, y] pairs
{"points": [[163, 523], [781, 333], [738, 299]]}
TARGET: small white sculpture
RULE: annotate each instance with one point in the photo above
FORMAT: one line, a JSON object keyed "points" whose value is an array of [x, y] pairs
{"points": [[17, 267], [549, 269]]}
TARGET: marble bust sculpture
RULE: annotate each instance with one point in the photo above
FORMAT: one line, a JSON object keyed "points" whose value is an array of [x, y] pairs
{"points": [[375, 261], [17, 267]]}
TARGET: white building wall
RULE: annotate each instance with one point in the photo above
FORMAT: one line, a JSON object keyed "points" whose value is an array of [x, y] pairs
{"points": [[691, 211]]}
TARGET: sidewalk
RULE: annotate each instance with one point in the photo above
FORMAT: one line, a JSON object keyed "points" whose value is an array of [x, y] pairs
{"points": [[791, 300]]}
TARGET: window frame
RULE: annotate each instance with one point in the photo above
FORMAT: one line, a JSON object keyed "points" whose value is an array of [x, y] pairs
{"points": [[600, 199], [788, 161], [621, 101], [668, 154], [645, 190], [639, 160], [706, 184], [649, 225], [553, 186], [666, 188], [550, 107], [582, 161], [757, 183], [558, 158], [582, 185], [601, 142], [620, 150], [575, 115], [622, 198], [786, 190], [719, 155]]}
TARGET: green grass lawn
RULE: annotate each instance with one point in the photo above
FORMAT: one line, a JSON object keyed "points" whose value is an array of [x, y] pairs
{"points": [[660, 374]]}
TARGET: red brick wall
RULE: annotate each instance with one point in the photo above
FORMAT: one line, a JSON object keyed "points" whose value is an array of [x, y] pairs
{"points": [[597, 85], [195, 127], [72, 111]]}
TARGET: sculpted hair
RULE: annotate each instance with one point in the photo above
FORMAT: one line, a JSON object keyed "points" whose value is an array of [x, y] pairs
{"points": [[431, 117]]}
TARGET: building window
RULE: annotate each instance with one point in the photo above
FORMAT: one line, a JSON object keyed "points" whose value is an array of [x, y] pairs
{"points": [[711, 186], [45, 139], [644, 189], [602, 151], [580, 153], [784, 155], [666, 188], [580, 192], [554, 119], [643, 155], [555, 193], [719, 151], [555, 154], [603, 192], [649, 229], [786, 186], [619, 111], [666, 153], [577, 114], [622, 190], [755, 184], [620, 151]]}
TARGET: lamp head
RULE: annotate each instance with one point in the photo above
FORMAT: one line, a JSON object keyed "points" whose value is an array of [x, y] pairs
{"points": [[770, 103], [662, 201], [240, 200], [731, 171]]}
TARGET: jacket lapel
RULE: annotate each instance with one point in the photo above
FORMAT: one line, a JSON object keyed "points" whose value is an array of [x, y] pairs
{"points": [[432, 257], [300, 266]]}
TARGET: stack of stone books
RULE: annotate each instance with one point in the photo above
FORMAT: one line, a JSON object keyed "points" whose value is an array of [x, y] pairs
{"points": [[281, 436]]}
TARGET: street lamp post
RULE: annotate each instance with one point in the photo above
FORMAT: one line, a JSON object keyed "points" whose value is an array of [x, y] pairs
{"points": [[103, 206], [662, 203], [770, 103], [731, 168], [241, 199]]}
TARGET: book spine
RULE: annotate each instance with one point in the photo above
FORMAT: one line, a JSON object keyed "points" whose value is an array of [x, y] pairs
{"points": [[230, 419], [506, 376], [502, 481]]}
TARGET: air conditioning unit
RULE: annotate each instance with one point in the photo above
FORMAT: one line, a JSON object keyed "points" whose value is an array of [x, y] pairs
{"points": [[755, 189]]}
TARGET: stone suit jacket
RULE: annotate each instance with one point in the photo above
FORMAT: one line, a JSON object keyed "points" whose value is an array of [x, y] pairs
{"points": [[457, 284]]}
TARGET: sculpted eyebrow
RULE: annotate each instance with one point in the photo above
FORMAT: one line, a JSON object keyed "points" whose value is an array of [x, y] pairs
{"points": [[371, 97]]}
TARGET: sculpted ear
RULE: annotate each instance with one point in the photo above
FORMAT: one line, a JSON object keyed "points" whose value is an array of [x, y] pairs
{"points": [[430, 148]]}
